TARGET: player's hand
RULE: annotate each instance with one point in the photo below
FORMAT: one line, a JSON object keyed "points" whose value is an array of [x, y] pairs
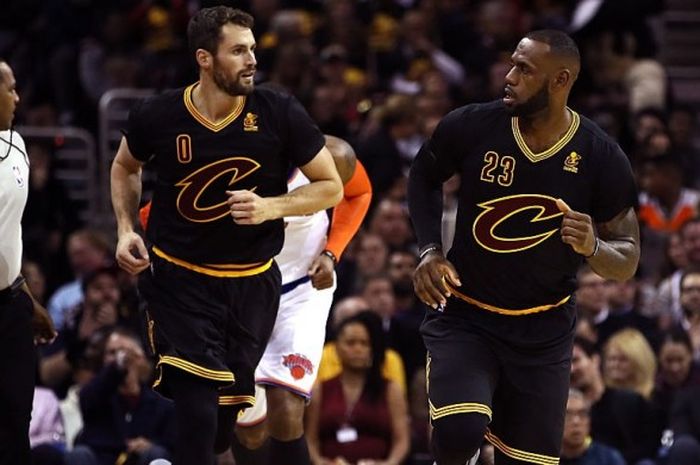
{"points": [[132, 255], [321, 272], [577, 230], [247, 207], [44, 330], [429, 279]]}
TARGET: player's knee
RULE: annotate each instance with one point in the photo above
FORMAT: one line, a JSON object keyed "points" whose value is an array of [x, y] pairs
{"points": [[252, 437], [285, 414], [457, 437]]}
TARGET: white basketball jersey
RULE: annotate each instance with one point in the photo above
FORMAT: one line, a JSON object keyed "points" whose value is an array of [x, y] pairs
{"points": [[14, 189], [304, 237]]}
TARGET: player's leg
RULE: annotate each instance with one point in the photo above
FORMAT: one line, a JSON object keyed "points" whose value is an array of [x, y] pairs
{"points": [[286, 427], [249, 444], [288, 370], [196, 405], [462, 373], [186, 332], [529, 407], [17, 372], [257, 299]]}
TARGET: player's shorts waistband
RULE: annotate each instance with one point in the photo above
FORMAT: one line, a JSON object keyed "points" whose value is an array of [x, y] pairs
{"points": [[218, 270], [504, 311], [9, 292], [290, 286]]}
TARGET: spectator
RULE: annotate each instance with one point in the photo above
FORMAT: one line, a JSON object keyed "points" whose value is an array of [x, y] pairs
{"points": [[123, 418], [88, 250], [330, 365], [685, 425], [677, 370], [619, 418], [629, 363], [390, 221], [46, 432], [63, 360], [359, 416], [577, 448]]}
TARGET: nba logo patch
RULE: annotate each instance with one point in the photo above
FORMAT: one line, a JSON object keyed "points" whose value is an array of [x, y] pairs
{"points": [[18, 176], [250, 122], [571, 162], [299, 366]]}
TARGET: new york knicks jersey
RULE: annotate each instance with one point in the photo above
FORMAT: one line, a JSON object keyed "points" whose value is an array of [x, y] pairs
{"points": [[304, 237]]}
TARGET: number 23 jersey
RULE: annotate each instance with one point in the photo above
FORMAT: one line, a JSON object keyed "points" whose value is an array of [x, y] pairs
{"points": [[507, 247]]}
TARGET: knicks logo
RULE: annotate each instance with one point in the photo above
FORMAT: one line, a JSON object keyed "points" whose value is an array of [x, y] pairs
{"points": [[500, 213], [194, 186], [298, 365]]}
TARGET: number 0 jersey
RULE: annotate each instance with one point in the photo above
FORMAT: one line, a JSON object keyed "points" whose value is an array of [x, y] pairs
{"points": [[196, 161], [507, 246]]}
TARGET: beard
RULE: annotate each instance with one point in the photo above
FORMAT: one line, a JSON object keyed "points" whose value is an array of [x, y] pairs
{"points": [[538, 102], [233, 87]]}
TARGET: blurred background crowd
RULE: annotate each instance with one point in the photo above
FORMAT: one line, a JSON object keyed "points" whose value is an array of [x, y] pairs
{"points": [[380, 74]]}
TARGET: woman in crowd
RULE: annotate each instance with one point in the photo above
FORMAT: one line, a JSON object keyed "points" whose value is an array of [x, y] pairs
{"points": [[358, 417]]}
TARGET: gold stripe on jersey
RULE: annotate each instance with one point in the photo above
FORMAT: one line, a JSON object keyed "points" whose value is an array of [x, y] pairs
{"points": [[518, 454], [197, 370], [503, 311], [216, 127], [236, 400], [454, 409], [218, 271], [534, 157]]}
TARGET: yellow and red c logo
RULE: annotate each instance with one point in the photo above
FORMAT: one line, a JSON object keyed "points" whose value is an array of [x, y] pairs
{"points": [[498, 211], [195, 184]]}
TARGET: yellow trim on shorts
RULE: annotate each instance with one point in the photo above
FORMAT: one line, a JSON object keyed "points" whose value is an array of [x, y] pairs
{"points": [[504, 311], [454, 409], [219, 271], [236, 400], [214, 375], [517, 454]]}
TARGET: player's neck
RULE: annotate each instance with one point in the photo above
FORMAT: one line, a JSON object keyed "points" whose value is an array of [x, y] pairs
{"points": [[212, 102], [553, 120]]}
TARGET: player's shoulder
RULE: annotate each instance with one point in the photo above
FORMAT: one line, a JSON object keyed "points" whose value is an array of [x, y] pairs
{"points": [[598, 137], [271, 94], [160, 104], [473, 116]]}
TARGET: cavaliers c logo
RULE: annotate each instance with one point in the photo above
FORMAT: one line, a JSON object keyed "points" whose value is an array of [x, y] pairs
{"points": [[194, 185], [499, 210]]}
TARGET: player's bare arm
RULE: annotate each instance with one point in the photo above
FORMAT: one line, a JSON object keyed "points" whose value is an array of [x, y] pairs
{"points": [[321, 270], [618, 250], [131, 253], [324, 191], [614, 252]]}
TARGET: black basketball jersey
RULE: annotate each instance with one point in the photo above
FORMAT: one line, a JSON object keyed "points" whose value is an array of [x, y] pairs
{"points": [[507, 245], [196, 161]]}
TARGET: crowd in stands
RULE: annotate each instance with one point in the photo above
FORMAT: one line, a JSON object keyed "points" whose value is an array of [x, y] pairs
{"points": [[381, 74]]}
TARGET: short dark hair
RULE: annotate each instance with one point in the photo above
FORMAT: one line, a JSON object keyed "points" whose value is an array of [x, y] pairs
{"points": [[559, 42], [204, 29], [586, 346]]}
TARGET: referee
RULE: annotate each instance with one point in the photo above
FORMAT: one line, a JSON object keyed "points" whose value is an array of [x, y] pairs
{"points": [[23, 321]]}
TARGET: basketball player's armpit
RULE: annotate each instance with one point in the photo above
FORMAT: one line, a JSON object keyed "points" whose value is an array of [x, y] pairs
{"points": [[425, 199], [618, 252]]}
